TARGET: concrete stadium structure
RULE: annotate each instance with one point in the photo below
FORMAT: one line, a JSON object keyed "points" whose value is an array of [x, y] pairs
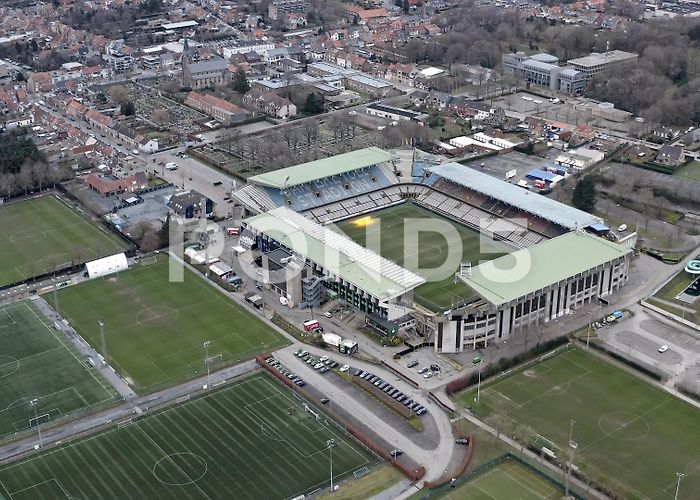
{"points": [[564, 258]]}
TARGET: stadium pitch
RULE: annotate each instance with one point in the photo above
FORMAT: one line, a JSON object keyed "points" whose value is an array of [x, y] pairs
{"points": [[251, 440], [632, 438], [508, 479], [431, 251], [44, 233], [155, 330], [36, 364]]}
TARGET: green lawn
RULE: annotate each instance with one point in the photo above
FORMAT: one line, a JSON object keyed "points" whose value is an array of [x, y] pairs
{"points": [[251, 440], [632, 438], [507, 480], [431, 251], [40, 234], [691, 171], [35, 363], [155, 330]]}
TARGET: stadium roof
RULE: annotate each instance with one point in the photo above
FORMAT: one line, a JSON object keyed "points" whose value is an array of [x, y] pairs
{"points": [[320, 169], [337, 253], [525, 271], [516, 196]]}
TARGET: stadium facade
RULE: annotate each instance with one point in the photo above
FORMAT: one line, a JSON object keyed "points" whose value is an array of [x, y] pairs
{"points": [[558, 266]]}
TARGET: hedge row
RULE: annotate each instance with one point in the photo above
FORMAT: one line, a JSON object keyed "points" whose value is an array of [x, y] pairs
{"points": [[412, 474], [502, 365], [466, 460], [384, 397]]}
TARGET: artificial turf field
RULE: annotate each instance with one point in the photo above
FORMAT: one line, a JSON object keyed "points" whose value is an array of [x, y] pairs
{"points": [[632, 438], [251, 440], [42, 233], [506, 480], [35, 363], [432, 248], [155, 330]]}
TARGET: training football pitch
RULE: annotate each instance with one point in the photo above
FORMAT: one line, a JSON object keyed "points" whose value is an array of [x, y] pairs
{"points": [[631, 437], [251, 440], [36, 364], [508, 479], [155, 330], [44, 233], [430, 252]]}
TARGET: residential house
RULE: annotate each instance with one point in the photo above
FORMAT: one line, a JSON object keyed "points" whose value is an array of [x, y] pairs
{"points": [[671, 156], [270, 104], [222, 111], [109, 185]]}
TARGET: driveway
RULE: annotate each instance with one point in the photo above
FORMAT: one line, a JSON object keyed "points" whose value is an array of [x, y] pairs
{"points": [[435, 460]]}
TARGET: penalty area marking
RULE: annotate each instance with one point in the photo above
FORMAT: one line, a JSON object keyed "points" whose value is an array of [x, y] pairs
{"points": [[8, 366]]}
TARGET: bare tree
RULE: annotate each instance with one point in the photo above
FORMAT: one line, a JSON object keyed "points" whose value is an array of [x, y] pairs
{"points": [[119, 94], [310, 131], [160, 117], [25, 178]]}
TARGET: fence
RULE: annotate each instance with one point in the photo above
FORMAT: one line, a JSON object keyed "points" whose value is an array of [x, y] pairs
{"points": [[444, 489]]}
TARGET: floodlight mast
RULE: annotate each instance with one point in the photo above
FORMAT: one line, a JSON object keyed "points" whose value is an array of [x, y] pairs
{"points": [[35, 402], [101, 324], [206, 362], [331, 443]]}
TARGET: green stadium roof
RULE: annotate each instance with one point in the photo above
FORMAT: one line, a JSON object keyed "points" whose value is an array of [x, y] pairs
{"points": [[320, 169], [336, 253], [526, 271]]}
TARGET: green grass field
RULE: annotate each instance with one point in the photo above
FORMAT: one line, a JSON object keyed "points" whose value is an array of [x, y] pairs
{"points": [[251, 440], [691, 171], [632, 438], [432, 248], [155, 330], [506, 480], [40, 234], [35, 363]]}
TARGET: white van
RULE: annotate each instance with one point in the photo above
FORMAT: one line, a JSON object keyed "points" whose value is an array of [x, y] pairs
{"points": [[170, 166], [623, 227]]}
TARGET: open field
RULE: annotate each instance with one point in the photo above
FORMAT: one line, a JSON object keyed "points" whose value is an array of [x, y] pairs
{"points": [[632, 438], [508, 479], [155, 330], [691, 171], [431, 251], [35, 363], [44, 233], [251, 440]]}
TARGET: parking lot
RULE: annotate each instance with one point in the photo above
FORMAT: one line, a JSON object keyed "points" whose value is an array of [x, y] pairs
{"points": [[498, 165], [641, 336], [153, 207]]}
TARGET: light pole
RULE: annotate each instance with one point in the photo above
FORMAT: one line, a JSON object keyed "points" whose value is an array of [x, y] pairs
{"points": [[572, 446], [35, 402], [104, 342], [678, 485], [478, 385], [588, 332], [331, 443], [206, 361]]}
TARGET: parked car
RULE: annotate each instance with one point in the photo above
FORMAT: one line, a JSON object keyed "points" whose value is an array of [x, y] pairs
{"points": [[663, 348], [318, 366], [396, 452], [412, 364], [344, 368], [427, 375], [327, 314], [324, 400], [423, 370]]}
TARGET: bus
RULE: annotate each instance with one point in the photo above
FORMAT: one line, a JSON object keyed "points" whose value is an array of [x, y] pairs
{"points": [[311, 325]]}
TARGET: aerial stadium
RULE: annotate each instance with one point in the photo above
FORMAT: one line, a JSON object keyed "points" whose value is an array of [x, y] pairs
{"points": [[525, 259]]}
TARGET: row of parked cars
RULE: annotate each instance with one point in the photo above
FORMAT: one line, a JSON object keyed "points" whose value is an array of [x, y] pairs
{"points": [[389, 389], [322, 364], [283, 370], [427, 372]]}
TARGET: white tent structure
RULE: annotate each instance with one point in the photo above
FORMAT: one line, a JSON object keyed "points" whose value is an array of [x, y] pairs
{"points": [[107, 265]]}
